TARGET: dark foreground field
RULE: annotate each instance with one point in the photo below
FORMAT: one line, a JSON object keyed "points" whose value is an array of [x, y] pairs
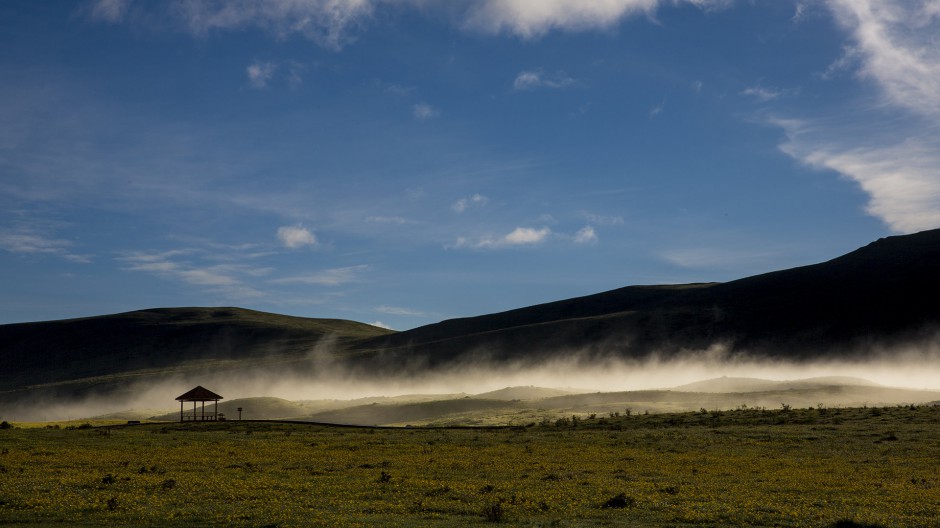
{"points": [[808, 467]]}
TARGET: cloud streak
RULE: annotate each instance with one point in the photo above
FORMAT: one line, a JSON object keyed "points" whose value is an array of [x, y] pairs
{"points": [[901, 180], [895, 159], [520, 236], [329, 277], [534, 79]]}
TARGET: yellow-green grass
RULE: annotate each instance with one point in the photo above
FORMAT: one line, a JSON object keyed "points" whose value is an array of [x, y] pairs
{"points": [[809, 467]]}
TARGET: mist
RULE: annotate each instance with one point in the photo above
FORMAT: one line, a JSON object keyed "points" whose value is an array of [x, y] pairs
{"points": [[320, 376]]}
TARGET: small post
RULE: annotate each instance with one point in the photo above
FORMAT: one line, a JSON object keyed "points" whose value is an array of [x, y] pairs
{"points": [[239, 414]]}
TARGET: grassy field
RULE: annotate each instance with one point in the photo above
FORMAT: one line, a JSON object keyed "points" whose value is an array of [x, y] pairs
{"points": [[783, 467]]}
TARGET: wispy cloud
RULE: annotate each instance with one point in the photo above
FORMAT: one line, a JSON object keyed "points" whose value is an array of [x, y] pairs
{"points": [[520, 236], [328, 277], [187, 267], [902, 179], [851, 55], [534, 79], [398, 220], [716, 257], [330, 23], [260, 73], [766, 93], [380, 324], [333, 24], [398, 310], [898, 43], [424, 111], [603, 219], [893, 156], [585, 235], [658, 109], [293, 237], [477, 200], [533, 18], [697, 86], [112, 11], [35, 243]]}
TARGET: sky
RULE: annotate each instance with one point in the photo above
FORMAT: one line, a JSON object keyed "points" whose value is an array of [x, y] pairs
{"points": [[401, 162]]}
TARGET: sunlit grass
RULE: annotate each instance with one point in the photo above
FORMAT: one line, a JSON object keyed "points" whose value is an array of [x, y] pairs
{"points": [[734, 468]]}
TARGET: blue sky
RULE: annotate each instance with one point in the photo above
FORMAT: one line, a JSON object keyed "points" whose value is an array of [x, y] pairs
{"points": [[403, 162]]}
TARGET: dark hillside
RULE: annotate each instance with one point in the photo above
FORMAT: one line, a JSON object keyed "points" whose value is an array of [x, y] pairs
{"points": [[56, 351], [881, 294]]}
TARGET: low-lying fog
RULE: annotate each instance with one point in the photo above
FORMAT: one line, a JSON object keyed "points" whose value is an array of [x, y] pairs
{"points": [[326, 380]]}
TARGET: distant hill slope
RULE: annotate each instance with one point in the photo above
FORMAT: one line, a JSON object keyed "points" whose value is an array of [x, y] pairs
{"points": [[164, 338], [883, 293]]}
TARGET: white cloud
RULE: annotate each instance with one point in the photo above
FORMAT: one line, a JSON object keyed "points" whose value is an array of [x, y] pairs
{"points": [[380, 324], [585, 235], [112, 11], [329, 277], [424, 111], [294, 237], [658, 109], [765, 93], [849, 60], [533, 18], [717, 257], [399, 220], [28, 242], [901, 179], [221, 279], [477, 200], [697, 86], [520, 236], [898, 42], [532, 79], [326, 22], [893, 156], [397, 310], [334, 23], [603, 220], [260, 73]]}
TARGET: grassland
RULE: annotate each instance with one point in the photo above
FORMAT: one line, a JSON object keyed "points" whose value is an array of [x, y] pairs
{"points": [[784, 467]]}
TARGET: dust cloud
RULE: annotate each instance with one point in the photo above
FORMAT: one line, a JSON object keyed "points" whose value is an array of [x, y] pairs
{"points": [[322, 377]]}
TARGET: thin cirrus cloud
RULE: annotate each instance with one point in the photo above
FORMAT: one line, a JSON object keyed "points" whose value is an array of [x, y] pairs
{"points": [[898, 167], [182, 265], [535, 79], [520, 236], [25, 242], [260, 73], [585, 235], [476, 200], [424, 111], [329, 277]]}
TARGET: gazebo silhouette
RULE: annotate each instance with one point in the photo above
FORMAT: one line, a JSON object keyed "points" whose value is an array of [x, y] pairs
{"points": [[199, 394]]}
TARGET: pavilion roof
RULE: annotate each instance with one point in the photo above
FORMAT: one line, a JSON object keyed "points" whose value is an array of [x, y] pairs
{"points": [[200, 393]]}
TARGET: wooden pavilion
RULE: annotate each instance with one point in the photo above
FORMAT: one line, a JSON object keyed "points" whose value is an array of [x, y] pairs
{"points": [[199, 395]]}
